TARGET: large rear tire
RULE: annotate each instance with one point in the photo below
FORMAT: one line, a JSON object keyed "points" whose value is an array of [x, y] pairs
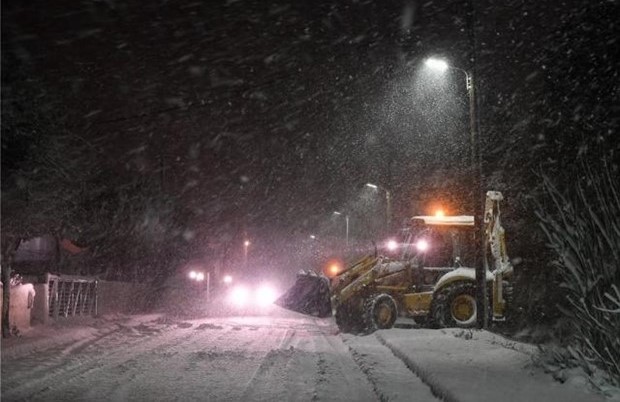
{"points": [[455, 306], [380, 312]]}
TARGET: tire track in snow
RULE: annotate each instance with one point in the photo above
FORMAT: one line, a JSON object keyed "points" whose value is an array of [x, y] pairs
{"points": [[224, 362], [307, 364], [61, 349], [54, 344], [139, 371], [35, 367], [339, 365], [391, 379], [74, 367], [419, 371], [68, 373], [357, 358], [270, 364], [63, 353]]}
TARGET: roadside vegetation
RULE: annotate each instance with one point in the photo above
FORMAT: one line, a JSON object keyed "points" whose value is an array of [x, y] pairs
{"points": [[582, 227]]}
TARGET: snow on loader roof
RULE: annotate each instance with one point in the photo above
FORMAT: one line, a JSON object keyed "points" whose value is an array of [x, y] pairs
{"points": [[461, 220]]}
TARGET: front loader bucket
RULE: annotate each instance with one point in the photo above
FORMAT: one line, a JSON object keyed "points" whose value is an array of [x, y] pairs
{"points": [[309, 295]]}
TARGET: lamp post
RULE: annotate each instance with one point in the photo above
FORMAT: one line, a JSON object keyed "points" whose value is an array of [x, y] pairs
{"points": [[476, 171], [388, 204], [441, 66], [346, 218]]}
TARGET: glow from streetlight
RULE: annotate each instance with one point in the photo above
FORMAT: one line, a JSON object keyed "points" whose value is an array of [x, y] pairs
{"points": [[246, 243], [436, 64], [337, 213], [313, 237], [372, 185]]}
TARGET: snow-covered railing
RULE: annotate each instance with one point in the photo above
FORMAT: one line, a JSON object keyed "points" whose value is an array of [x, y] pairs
{"points": [[71, 296]]}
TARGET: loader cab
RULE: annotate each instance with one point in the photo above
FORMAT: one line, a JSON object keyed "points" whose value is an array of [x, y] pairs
{"points": [[446, 242]]}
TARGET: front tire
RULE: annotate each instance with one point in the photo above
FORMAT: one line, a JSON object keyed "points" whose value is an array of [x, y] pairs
{"points": [[348, 319], [455, 306], [380, 312]]}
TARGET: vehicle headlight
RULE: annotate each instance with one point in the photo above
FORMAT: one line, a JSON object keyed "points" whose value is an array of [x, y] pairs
{"points": [[239, 296], [265, 295], [391, 245]]}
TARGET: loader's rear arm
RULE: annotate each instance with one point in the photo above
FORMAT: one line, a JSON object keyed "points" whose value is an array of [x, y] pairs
{"points": [[496, 242]]}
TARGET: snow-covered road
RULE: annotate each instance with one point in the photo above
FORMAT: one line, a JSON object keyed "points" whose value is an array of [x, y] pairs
{"points": [[282, 356], [288, 357]]}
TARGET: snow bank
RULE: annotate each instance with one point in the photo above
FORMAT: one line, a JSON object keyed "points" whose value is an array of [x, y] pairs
{"points": [[466, 365], [20, 309]]}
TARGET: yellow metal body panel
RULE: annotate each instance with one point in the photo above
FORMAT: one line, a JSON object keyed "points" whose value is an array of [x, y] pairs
{"points": [[355, 287], [418, 304], [384, 288], [353, 272]]}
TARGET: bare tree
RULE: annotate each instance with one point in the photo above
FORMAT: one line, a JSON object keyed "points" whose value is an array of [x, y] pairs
{"points": [[43, 170]]}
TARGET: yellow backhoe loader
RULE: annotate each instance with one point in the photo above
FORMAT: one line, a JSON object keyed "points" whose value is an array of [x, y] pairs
{"points": [[432, 281]]}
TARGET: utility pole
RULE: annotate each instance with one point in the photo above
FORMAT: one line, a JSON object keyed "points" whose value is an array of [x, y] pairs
{"points": [[388, 204], [347, 234], [476, 170], [388, 210], [346, 220]]}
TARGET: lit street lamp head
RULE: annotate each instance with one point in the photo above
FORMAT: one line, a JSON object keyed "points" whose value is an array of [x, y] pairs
{"points": [[371, 185], [436, 64]]}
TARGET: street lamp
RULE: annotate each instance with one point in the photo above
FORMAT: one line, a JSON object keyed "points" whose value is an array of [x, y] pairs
{"points": [[388, 201], [199, 277], [440, 65], [436, 64], [346, 218], [246, 244]]}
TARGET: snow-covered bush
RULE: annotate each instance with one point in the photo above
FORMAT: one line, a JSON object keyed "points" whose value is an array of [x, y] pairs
{"points": [[583, 229]]}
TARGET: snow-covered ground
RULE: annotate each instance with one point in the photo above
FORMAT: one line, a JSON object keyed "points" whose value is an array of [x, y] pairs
{"points": [[281, 356]]}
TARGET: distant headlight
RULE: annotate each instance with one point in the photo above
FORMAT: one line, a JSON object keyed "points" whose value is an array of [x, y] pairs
{"points": [[246, 296]]}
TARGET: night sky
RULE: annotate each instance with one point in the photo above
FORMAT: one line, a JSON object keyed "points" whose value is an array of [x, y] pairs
{"points": [[272, 115]]}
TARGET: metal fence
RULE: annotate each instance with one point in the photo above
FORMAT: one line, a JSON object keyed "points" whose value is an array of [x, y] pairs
{"points": [[72, 296]]}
